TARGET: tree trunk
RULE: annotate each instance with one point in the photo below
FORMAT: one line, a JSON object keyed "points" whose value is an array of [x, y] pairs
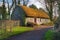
{"points": [[49, 7], [57, 23], [4, 11]]}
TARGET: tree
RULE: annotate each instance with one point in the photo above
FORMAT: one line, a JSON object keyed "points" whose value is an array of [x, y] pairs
{"points": [[57, 23], [8, 8], [14, 2], [11, 7], [1, 13], [18, 1], [4, 11], [33, 6], [49, 6], [25, 2], [58, 7]]}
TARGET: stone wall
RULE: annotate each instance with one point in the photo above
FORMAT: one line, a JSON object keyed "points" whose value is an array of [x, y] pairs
{"points": [[9, 23]]}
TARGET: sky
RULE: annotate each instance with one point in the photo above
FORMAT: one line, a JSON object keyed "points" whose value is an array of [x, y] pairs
{"points": [[35, 2], [8, 0]]}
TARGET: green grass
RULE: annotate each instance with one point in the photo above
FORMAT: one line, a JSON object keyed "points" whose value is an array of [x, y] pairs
{"points": [[49, 35], [15, 31]]}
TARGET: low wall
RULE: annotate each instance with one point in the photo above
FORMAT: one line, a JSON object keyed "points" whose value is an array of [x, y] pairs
{"points": [[9, 23]]}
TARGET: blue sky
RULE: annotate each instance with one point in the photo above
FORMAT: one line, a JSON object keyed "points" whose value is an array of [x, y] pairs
{"points": [[5, 0], [10, 1]]}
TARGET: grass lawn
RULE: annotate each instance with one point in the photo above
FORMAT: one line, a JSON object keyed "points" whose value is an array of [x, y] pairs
{"points": [[49, 35], [15, 31]]}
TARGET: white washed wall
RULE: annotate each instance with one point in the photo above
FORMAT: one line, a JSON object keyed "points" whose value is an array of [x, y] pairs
{"points": [[47, 20], [42, 20], [29, 20], [38, 20]]}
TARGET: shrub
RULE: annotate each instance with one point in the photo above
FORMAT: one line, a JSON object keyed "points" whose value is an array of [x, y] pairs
{"points": [[49, 35], [57, 36], [49, 24]]}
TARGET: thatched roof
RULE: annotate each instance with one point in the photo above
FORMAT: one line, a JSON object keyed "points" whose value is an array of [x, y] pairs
{"points": [[30, 12]]}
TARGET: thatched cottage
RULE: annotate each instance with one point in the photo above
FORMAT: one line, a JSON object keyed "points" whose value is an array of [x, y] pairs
{"points": [[26, 14]]}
